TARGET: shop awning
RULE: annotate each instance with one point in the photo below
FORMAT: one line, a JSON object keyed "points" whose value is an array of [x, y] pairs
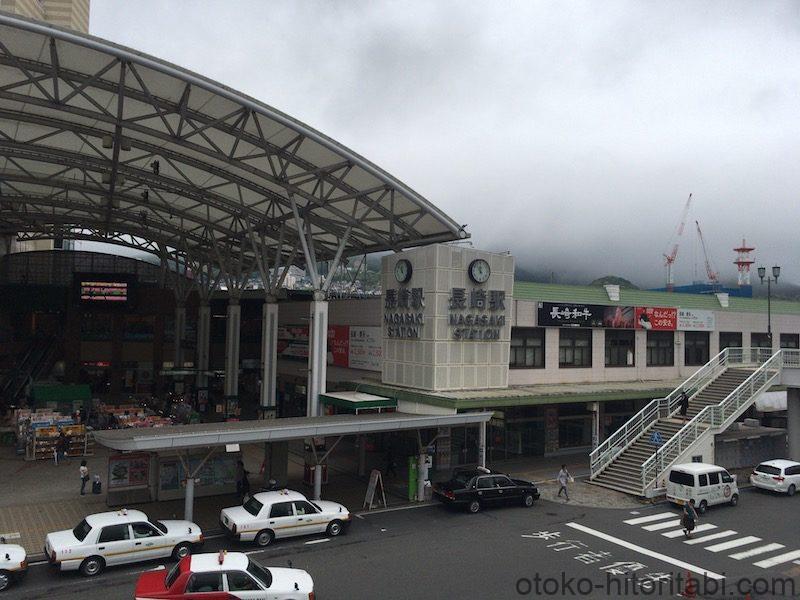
{"points": [[356, 401], [205, 435]]}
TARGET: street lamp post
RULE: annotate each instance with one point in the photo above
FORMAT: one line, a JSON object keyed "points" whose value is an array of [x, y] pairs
{"points": [[776, 271]]}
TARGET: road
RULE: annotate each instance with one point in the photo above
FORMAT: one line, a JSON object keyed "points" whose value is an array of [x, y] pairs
{"points": [[564, 550]]}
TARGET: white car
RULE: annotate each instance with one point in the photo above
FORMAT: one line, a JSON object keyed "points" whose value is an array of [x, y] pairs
{"points": [[777, 475], [229, 575], [117, 538], [273, 515], [13, 564]]}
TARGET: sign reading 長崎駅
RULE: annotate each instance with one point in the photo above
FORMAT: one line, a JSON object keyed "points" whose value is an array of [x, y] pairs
{"points": [[476, 314], [403, 315]]}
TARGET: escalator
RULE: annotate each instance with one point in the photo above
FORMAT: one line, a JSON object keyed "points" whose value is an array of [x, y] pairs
{"points": [[36, 362]]}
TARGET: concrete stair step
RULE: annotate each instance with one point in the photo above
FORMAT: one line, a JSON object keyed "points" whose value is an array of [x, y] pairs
{"points": [[620, 488]]}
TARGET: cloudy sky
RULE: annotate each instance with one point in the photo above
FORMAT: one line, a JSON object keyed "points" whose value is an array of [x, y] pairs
{"points": [[570, 133]]}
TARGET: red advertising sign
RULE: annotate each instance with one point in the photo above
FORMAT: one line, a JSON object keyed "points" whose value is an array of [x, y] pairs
{"points": [[339, 345], [656, 319]]}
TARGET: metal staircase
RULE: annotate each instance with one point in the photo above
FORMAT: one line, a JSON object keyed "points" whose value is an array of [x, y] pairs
{"points": [[635, 458]]}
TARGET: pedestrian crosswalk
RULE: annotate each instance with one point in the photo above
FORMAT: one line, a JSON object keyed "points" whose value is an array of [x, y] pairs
{"points": [[736, 546]]}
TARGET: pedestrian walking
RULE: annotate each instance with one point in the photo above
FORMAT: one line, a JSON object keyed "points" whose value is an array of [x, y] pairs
{"points": [[684, 401], [84, 472], [61, 447], [242, 483], [563, 479], [689, 519]]}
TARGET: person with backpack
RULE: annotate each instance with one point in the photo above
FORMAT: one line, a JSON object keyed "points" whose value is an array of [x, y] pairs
{"points": [[689, 519]]}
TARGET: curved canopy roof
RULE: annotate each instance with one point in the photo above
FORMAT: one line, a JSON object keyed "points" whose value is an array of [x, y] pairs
{"points": [[101, 142]]}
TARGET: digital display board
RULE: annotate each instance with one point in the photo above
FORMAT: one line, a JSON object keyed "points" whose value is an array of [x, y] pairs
{"points": [[104, 291]]}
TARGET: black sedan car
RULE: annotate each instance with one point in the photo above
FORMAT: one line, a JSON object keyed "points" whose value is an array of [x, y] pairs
{"points": [[478, 488]]}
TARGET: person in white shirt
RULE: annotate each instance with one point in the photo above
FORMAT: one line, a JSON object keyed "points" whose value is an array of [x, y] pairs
{"points": [[563, 478], [84, 471]]}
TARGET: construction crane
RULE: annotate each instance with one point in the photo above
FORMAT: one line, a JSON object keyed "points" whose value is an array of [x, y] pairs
{"points": [[669, 259], [713, 275]]}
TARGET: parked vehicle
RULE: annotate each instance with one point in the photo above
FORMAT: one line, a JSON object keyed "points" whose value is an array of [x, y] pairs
{"points": [[116, 538], [224, 575], [267, 516], [706, 484], [479, 488], [13, 564], [778, 476]]}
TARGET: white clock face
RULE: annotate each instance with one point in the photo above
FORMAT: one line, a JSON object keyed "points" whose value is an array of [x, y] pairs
{"points": [[479, 271], [402, 271]]}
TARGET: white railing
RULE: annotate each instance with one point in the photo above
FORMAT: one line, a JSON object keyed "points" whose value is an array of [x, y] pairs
{"points": [[659, 408], [717, 416], [791, 358]]}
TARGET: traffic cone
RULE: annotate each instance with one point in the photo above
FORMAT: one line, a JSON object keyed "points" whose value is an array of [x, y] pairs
{"points": [[689, 590]]}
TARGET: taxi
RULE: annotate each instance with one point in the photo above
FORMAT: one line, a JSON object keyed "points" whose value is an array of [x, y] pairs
{"points": [[13, 564], [116, 538], [224, 576], [279, 514]]}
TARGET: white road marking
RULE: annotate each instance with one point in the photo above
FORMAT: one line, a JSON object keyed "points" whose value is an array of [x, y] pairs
{"points": [[308, 543], [679, 532], [748, 539], [635, 512], [777, 560], [659, 526], [756, 551], [37, 563], [713, 536], [650, 518], [647, 552]]}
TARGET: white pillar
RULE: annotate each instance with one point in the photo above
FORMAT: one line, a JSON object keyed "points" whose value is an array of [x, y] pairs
{"points": [[793, 422], [269, 356], [317, 481], [180, 333], [188, 506], [422, 475], [203, 342], [233, 328], [595, 408], [317, 353], [482, 444]]}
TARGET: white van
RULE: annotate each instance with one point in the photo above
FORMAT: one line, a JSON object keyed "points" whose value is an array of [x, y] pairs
{"points": [[706, 484]]}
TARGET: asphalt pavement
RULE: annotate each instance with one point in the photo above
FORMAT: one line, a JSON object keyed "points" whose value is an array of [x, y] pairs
{"points": [[552, 549]]}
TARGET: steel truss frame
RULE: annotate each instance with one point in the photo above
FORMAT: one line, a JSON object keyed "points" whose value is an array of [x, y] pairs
{"points": [[100, 143]]}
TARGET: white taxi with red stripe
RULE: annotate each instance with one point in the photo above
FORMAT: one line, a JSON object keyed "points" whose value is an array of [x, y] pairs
{"points": [[273, 515], [117, 538]]}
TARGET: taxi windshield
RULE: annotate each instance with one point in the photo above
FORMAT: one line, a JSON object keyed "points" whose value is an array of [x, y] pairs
{"points": [[260, 573], [161, 527], [253, 506], [81, 530]]}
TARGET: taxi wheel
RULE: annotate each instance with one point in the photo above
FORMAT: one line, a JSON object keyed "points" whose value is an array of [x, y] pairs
{"points": [[734, 499], [702, 508], [527, 500], [5, 580], [334, 528], [181, 551], [791, 490], [474, 506], [92, 566], [264, 538]]}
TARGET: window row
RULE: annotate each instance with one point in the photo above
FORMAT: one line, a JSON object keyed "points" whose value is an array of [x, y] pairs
{"points": [[575, 347]]}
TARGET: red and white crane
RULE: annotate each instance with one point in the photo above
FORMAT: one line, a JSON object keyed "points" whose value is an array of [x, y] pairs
{"points": [[669, 258], [713, 275]]}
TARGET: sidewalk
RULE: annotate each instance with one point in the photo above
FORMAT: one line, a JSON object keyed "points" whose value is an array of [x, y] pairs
{"points": [[39, 497]]}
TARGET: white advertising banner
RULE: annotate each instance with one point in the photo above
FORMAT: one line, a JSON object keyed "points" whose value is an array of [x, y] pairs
{"points": [[695, 320], [366, 348]]}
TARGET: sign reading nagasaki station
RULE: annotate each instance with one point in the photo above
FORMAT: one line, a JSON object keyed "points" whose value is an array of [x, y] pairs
{"points": [[479, 315], [402, 313]]}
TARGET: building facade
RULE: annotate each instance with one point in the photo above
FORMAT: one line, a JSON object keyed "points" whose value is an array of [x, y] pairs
{"points": [[72, 14]]}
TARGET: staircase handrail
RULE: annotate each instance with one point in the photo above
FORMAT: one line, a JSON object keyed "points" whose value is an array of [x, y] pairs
{"points": [[616, 443], [715, 416]]}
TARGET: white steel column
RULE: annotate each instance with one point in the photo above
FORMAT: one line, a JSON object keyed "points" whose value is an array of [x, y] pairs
{"points": [[188, 504], [180, 334], [317, 352], [233, 328], [269, 357], [482, 444], [203, 342], [318, 481]]}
